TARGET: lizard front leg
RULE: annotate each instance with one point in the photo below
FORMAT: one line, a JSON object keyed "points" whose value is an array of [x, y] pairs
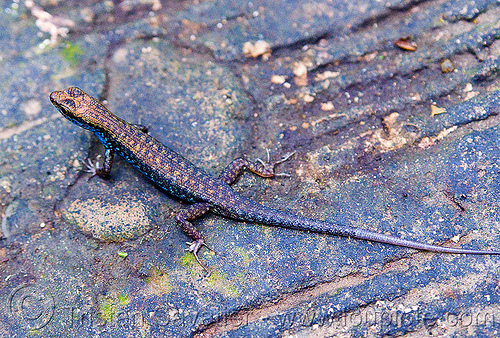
{"points": [[96, 170]]}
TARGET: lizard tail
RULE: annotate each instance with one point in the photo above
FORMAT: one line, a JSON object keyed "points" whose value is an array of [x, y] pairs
{"points": [[376, 237], [268, 216]]}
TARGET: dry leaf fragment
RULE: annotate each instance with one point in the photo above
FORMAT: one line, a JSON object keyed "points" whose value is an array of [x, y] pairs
{"points": [[300, 72], [416, 97], [278, 79], [470, 95], [260, 48], [327, 106], [55, 25], [406, 44], [326, 75], [468, 87], [308, 98], [435, 110], [447, 66]]}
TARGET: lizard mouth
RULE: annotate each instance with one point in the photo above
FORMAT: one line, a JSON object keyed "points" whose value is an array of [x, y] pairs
{"points": [[55, 97], [63, 102], [66, 96]]}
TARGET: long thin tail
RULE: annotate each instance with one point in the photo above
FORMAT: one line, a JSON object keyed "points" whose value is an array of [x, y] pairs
{"points": [[265, 215], [376, 237]]}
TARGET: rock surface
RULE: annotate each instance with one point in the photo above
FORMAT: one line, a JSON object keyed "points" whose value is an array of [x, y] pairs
{"points": [[392, 109]]}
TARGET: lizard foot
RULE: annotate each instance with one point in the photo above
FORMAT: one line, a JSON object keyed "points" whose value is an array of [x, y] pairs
{"points": [[268, 166], [194, 247], [93, 168]]}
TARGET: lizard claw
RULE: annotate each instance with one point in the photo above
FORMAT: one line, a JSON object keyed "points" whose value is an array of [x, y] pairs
{"points": [[269, 167], [285, 158], [194, 247], [93, 168]]}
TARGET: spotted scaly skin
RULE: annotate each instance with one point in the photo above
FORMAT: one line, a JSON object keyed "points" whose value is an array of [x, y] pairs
{"points": [[180, 178]]}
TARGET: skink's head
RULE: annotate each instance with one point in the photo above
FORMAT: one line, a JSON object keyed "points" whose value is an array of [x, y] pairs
{"points": [[74, 104], [66, 101]]}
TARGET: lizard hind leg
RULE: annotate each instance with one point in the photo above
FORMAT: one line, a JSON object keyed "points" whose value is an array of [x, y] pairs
{"points": [[259, 167], [272, 165], [183, 218]]}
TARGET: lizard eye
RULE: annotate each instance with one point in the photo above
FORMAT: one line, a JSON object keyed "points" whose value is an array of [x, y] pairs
{"points": [[75, 91], [68, 104]]}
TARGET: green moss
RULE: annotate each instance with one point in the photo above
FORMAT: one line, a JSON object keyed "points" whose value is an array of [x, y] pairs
{"points": [[70, 53], [123, 300], [108, 310], [266, 230], [234, 291], [244, 256], [159, 281], [220, 281], [188, 259]]}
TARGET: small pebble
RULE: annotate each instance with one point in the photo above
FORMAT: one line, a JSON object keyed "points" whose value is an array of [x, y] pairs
{"points": [[447, 66]]}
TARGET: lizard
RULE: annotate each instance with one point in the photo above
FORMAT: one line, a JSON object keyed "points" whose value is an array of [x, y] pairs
{"points": [[178, 177]]}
